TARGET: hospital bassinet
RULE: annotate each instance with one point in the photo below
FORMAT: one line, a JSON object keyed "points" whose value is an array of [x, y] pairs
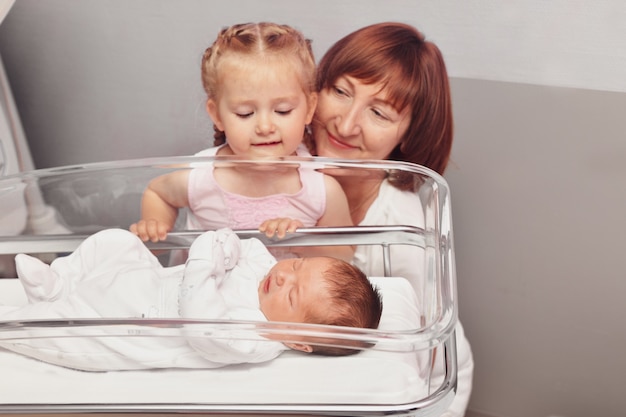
{"points": [[410, 369]]}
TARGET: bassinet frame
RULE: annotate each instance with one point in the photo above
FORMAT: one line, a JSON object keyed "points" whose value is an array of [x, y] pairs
{"points": [[440, 334]]}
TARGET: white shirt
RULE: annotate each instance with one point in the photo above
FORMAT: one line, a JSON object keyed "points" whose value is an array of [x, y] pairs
{"points": [[396, 207]]}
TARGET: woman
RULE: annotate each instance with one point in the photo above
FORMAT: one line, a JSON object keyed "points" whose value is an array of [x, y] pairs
{"points": [[384, 94]]}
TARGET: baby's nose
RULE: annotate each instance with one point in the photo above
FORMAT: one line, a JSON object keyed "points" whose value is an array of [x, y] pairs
{"points": [[284, 277], [280, 278]]}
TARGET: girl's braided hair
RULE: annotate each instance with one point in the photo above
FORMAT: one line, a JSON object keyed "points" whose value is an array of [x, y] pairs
{"points": [[261, 40]]}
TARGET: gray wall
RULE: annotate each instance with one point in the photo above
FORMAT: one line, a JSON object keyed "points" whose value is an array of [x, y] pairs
{"points": [[537, 178]]}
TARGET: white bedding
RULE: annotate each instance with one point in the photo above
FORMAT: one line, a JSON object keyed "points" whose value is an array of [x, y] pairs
{"points": [[370, 377]]}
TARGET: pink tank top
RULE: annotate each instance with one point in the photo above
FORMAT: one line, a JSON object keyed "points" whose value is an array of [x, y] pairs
{"points": [[212, 207]]}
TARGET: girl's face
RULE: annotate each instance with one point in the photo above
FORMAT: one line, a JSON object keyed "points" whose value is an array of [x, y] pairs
{"points": [[261, 107], [293, 288], [356, 121]]}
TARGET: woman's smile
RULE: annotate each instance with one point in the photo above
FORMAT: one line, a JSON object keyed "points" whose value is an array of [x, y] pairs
{"points": [[333, 140]]}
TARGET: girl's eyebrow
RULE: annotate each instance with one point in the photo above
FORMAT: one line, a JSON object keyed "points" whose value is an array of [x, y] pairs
{"points": [[290, 98]]}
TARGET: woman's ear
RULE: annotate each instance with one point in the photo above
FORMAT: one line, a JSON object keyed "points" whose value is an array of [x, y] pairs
{"points": [[211, 108], [312, 102], [300, 346]]}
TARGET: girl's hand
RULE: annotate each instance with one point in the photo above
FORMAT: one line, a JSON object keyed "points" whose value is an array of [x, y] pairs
{"points": [[279, 227], [150, 229]]}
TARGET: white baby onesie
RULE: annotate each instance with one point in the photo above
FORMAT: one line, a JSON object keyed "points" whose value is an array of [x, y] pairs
{"points": [[113, 275]]}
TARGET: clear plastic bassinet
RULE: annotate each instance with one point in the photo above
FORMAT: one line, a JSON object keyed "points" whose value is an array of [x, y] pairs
{"points": [[410, 368]]}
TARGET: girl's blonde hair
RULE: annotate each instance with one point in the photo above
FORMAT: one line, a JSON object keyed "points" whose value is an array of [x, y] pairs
{"points": [[263, 40]]}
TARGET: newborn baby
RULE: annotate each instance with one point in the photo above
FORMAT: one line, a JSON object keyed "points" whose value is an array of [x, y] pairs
{"points": [[112, 274]]}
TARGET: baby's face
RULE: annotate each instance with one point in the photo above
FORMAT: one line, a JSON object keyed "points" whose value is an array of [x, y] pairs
{"points": [[292, 288]]}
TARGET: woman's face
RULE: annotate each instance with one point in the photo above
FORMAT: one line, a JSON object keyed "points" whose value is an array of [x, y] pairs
{"points": [[354, 120]]}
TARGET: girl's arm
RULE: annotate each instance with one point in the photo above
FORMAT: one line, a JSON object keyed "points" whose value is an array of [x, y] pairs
{"points": [[337, 214], [159, 205]]}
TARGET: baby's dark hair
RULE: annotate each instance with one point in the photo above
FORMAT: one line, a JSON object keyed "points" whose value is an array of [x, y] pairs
{"points": [[354, 302]]}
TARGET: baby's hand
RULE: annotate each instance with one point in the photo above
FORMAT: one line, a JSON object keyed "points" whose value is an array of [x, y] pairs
{"points": [[279, 226], [150, 229]]}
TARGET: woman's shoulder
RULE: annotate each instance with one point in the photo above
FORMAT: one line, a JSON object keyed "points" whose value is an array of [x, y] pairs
{"points": [[395, 207]]}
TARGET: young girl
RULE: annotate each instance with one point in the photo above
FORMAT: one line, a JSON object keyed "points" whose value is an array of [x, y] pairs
{"points": [[259, 79]]}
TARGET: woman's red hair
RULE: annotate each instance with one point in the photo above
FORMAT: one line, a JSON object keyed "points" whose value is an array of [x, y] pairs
{"points": [[414, 72]]}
